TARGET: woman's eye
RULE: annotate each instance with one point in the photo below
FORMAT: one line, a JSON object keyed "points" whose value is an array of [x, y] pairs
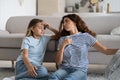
{"points": [[67, 21]]}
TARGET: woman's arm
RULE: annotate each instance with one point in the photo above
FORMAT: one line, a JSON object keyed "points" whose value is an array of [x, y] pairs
{"points": [[103, 49], [60, 53], [31, 69]]}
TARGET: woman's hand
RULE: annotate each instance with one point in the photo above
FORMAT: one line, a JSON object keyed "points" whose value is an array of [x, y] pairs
{"points": [[59, 56], [67, 42], [32, 70]]}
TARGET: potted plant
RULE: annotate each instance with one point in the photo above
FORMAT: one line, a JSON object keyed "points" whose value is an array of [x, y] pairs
{"points": [[77, 6]]}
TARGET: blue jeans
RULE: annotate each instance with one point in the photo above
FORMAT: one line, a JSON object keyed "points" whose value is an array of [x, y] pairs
{"points": [[68, 74], [21, 72]]}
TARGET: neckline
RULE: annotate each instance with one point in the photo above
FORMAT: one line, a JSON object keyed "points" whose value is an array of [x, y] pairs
{"points": [[74, 34], [36, 38]]}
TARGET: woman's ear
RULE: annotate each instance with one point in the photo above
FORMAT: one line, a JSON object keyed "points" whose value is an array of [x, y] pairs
{"points": [[75, 25]]}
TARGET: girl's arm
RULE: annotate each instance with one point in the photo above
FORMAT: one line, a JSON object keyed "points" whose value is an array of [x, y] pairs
{"points": [[55, 31], [60, 53], [31, 69], [52, 29], [103, 49], [56, 36]]}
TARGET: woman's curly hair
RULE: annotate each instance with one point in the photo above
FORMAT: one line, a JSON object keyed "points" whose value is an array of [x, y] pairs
{"points": [[81, 26]]}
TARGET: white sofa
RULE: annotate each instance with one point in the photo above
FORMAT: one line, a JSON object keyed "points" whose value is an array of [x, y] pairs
{"points": [[10, 40]]}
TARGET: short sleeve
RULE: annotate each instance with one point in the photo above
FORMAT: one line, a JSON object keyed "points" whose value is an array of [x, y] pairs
{"points": [[25, 44], [60, 42], [90, 40], [47, 38]]}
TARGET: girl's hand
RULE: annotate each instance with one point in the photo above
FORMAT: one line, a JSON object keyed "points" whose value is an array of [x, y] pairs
{"points": [[67, 42], [46, 25], [32, 71]]}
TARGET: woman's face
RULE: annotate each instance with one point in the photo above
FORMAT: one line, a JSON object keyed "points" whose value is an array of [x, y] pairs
{"points": [[38, 30], [68, 24]]}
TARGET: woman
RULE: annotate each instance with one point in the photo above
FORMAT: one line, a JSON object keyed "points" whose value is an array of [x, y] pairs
{"points": [[72, 55], [29, 62]]}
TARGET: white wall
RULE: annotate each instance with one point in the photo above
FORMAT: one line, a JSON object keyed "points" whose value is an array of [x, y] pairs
{"points": [[10, 8]]}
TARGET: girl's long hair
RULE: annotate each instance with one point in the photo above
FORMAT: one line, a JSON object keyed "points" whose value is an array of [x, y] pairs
{"points": [[80, 24], [31, 25]]}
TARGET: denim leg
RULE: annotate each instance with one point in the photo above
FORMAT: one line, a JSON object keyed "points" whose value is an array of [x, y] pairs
{"points": [[19, 67], [21, 72], [31, 79], [58, 75], [42, 73], [76, 75]]}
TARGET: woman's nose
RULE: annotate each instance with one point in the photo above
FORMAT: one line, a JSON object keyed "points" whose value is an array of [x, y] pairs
{"points": [[42, 29]]}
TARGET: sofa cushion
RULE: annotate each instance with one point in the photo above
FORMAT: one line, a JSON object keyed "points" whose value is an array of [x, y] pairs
{"points": [[3, 32], [21, 23], [99, 58], [14, 40], [116, 31], [102, 24], [99, 24], [11, 40], [110, 41]]}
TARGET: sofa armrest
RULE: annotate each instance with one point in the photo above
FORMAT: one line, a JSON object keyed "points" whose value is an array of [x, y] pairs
{"points": [[3, 32]]}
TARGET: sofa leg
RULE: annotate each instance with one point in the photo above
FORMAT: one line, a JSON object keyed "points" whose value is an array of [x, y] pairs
{"points": [[12, 64]]}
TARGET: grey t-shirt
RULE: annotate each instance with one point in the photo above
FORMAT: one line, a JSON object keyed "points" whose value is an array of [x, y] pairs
{"points": [[76, 54]]}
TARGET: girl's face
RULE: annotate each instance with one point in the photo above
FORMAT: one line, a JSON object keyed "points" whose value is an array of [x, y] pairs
{"points": [[68, 24], [38, 29]]}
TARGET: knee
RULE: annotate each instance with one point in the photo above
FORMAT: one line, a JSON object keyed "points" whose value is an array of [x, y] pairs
{"points": [[42, 72], [54, 76]]}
